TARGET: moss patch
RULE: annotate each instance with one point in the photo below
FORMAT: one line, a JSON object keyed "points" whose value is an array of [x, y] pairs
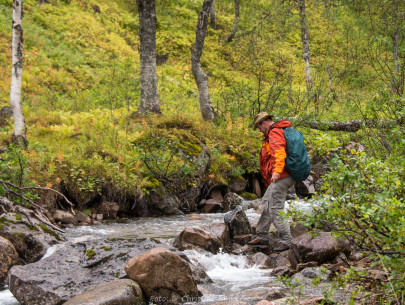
{"points": [[90, 253], [248, 196], [48, 230]]}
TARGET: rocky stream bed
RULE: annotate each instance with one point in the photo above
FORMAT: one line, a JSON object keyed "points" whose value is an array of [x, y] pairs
{"points": [[190, 258]]}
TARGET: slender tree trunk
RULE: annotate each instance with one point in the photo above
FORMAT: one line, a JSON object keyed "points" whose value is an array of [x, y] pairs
{"points": [[395, 39], [395, 46], [213, 18], [16, 72], [147, 37], [200, 77], [305, 44], [329, 69], [235, 23]]}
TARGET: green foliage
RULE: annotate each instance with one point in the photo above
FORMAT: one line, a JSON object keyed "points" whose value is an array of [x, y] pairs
{"points": [[168, 159], [364, 199], [15, 175]]}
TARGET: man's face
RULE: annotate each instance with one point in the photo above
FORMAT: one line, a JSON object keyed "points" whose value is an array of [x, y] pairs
{"points": [[264, 126]]}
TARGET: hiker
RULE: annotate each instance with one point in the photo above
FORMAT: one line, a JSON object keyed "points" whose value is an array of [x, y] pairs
{"points": [[277, 179]]}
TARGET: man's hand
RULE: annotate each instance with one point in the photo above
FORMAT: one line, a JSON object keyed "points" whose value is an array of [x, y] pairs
{"points": [[274, 177]]}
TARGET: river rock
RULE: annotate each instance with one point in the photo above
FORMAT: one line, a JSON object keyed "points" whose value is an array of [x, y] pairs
{"points": [[281, 271], [211, 206], [275, 294], [306, 265], [160, 202], [108, 209], [210, 238], [30, 244], [232, 200], [238, 185], [117, 292], [321, 248], [255, 204], [216, 194], [305, 188], [199, 274], [242, 239], [279, 259], [64, 217], [237, 222], [82, 217], [8, 257], [164, 276], [77, 266], [308, 275], [261, 260]]}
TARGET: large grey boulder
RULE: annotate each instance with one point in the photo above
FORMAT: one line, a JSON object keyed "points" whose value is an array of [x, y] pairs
{"points": [[238, 185], [30, 244], [210, 238], [77, 266], [237, 222], [108, 209], [164, 276], [320, 248], [64, 217], [305, 188], [211, 206], [8, 257], [82, 218], [161, 202], [117, 292]]}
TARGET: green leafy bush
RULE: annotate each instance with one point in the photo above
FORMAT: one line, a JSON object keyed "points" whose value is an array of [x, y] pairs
{"points": [[364, 199]]}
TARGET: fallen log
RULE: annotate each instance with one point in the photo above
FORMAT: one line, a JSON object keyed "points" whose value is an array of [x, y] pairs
{"points": [[27, 213], [349, 126]]}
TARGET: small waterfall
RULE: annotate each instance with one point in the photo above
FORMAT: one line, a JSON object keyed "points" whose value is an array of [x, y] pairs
{"points": [[233, 277]]}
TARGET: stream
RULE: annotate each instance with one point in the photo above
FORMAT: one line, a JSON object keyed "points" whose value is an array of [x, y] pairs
{"points": [[233, 278]]}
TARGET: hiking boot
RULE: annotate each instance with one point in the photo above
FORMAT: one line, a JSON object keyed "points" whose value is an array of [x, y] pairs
{"points": [[258, 242], [281, 249]]}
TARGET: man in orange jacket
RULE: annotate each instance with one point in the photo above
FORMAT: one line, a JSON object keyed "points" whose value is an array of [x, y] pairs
{"points": [[277, 180]]}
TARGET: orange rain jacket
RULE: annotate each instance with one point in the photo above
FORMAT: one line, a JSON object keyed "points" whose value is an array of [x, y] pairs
{"points": [[272, 155]]}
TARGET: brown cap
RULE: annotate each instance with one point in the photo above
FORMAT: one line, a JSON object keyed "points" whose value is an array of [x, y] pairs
{"points": [[260, 118]]}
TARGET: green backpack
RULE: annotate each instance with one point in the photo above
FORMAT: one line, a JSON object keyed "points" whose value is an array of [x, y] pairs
{"points": [[297, 160]]}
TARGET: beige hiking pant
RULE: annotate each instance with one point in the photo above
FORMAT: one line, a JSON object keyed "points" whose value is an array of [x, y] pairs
{"points": [[273, 203]]}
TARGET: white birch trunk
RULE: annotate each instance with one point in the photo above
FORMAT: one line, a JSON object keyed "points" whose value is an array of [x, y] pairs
{"points": [[147, 36], [200, 77], [395, 47], [305, 44], [16, 72]]}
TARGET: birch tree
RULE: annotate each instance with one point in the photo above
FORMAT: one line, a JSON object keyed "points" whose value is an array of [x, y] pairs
{"points": [[305, 44], [200, 77], [16, 72], [147, 36]]}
